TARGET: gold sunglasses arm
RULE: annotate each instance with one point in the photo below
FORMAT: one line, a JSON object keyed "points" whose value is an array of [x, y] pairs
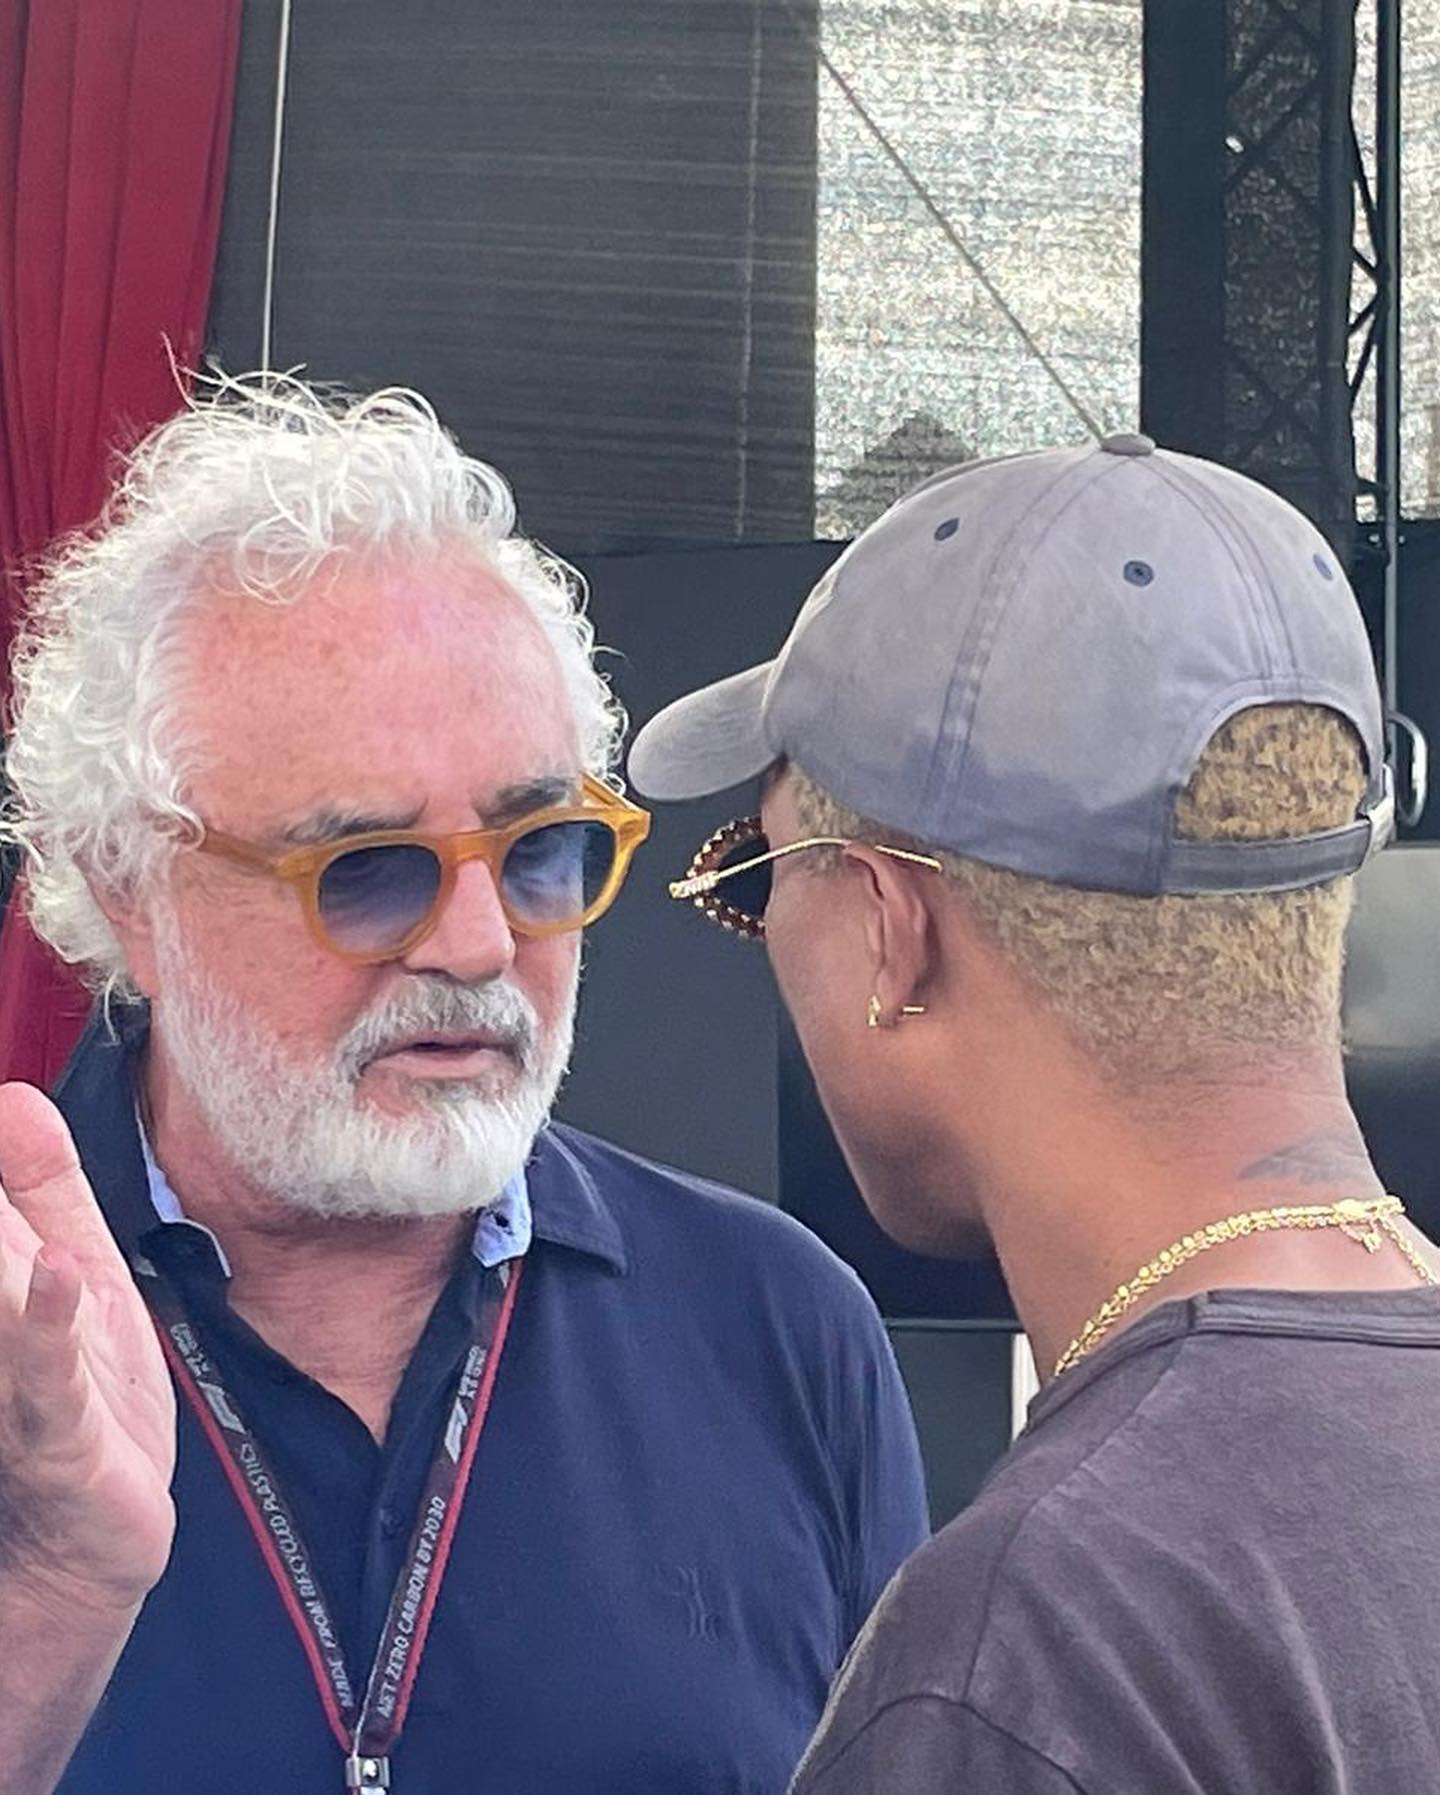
{"points": [[697, 884], [927, 860]]}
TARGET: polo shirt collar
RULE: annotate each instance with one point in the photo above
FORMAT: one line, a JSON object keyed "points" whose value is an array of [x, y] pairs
{"points": [[96, 1096], [567, 1206]]}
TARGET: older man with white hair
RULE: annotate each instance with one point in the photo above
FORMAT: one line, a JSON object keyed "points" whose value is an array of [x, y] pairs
{"points": [[504, 1459]]}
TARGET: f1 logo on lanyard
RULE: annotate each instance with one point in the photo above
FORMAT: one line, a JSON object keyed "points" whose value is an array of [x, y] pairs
{"points": [[366, 1730]]}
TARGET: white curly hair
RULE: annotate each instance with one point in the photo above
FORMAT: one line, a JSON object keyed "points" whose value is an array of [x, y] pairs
{"points": [[257, 486]]}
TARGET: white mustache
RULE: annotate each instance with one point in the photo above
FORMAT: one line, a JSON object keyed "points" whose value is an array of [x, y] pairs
{"points": [[442, 1007]]}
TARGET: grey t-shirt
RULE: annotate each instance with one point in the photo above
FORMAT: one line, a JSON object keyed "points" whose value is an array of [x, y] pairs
{"points": [[1211, 1563]]}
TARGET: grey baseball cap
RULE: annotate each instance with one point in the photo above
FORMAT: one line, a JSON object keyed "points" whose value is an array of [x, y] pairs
{"points": [[1023, 660]]}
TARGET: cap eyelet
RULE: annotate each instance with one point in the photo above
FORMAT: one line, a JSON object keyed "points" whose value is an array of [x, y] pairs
{"points": [[1139, 573], [943, 532], [1323, 567]]}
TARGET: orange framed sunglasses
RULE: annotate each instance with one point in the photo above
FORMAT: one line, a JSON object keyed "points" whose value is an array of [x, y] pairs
{"points": [[375, 896]]}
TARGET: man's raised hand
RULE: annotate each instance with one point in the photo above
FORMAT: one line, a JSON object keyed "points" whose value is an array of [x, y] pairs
{"points": [[87, 1412]]}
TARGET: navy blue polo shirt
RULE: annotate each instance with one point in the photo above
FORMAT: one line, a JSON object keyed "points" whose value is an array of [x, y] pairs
{"points": [[699, 1470]]}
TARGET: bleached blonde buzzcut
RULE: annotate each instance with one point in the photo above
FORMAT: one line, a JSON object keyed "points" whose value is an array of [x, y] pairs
{"points": [[259, 486], [1152, 985]]}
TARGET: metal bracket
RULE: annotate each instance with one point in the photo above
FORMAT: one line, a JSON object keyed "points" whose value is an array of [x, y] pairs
{"points": [[1410, 807], [366, 1773]]}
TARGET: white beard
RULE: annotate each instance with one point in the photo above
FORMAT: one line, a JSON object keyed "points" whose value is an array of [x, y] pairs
{"points": [[298, 1130]]}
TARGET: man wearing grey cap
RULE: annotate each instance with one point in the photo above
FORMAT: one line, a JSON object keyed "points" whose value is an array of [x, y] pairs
{"points": [[1067, 762]]}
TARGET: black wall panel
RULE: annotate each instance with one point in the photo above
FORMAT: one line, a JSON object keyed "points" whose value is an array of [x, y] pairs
{"points": [[586, 230], [677, 1037], [1247, 228]]}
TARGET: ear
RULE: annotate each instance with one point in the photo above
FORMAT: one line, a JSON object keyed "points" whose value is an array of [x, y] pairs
{"points": [[133, 926], [899, 929]]}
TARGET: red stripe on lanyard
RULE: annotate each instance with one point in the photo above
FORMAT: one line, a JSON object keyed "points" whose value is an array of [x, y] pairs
{"points": [[355, 1728], [462, 1480], [268, 1549]]}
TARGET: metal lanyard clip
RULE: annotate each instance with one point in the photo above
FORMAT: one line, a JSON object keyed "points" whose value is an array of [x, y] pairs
{"points": [[366, 1773]]}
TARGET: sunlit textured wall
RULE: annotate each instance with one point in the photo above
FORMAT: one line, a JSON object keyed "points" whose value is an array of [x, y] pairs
{"points": [[1420, 193], [1023, 119]]}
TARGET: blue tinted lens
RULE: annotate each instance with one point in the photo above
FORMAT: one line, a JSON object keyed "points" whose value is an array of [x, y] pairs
{"points": [[371, 898], [553, 874]]}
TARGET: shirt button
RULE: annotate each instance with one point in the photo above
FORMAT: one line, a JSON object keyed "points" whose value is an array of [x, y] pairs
{"points": [[391, 1520]]}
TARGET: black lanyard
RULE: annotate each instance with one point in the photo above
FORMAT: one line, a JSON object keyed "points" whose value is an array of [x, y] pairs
{"points": [[366, 1724]]}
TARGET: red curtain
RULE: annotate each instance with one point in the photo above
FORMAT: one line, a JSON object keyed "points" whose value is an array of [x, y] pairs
{"points": [[114, 136]]}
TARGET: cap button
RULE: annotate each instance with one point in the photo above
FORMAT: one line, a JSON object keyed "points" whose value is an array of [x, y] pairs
{"points": [[1128, 442]]}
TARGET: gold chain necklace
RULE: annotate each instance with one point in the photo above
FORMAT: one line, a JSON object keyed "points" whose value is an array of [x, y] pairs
{"points": [[1369, 1223]]}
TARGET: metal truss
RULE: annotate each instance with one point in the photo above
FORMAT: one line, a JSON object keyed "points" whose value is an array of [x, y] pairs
{"points": [[1286, 190], [1375, 329]]}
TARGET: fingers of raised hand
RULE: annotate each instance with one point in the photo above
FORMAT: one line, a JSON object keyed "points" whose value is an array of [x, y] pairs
{"points": [[49, 1197], [42, 1405], [47, 1381], [53, 1300], [83, 1503], [35, 1144]]}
